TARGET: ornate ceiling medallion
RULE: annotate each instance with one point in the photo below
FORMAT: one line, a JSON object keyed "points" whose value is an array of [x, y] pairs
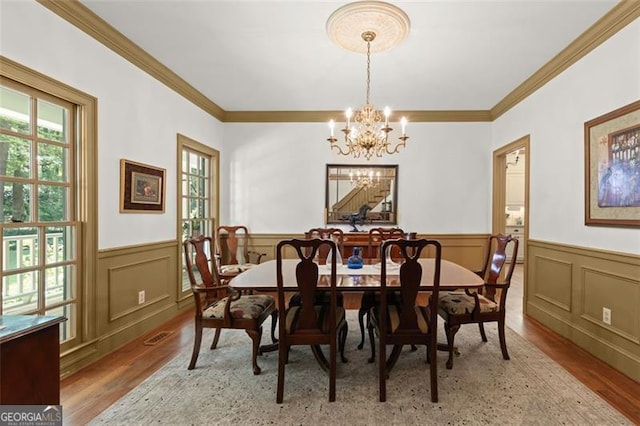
{"points": [[346, 25]]}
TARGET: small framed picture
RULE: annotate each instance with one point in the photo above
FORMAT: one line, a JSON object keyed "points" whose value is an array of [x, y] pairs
{"points": [[142, 188], [612, 168]]}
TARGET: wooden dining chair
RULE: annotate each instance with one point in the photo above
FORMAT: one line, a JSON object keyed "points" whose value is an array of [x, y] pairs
{"points": [[337, 236], [218, 306], [487, 304], [233, 251], [407, 323], [309, 323], [370, 298]]}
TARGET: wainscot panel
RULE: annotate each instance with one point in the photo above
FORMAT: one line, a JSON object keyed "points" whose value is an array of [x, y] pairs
{"points": [[567, 289], [121, 274], [465, 249]]}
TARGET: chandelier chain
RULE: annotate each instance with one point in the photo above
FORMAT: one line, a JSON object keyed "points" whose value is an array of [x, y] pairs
{"points": [[368, 71]]}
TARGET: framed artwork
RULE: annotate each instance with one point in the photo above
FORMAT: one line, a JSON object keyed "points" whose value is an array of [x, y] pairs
{"points": [[142, 188], [612, 168]]}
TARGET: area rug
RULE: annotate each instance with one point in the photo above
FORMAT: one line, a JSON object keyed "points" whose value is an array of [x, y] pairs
{"points": [[481, 389]]}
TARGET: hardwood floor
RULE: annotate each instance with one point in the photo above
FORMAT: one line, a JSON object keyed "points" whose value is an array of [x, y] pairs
{"points": [[90, 391]]}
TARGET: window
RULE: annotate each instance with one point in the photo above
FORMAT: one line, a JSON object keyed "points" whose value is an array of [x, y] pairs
{"points": [[39, 238], [48, 225], [198, 194]]}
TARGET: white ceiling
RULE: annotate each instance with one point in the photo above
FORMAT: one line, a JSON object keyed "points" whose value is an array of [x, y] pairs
{"points": [[268, 55]]}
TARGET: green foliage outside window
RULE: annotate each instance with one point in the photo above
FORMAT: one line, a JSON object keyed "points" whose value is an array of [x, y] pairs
{"points": [[15, 161]]}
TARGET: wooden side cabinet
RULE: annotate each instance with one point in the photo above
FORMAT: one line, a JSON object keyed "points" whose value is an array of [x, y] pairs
{"points": [[30, 359]]}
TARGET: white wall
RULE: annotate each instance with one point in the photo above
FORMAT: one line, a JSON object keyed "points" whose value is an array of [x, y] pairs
{"points": [[277, 174], [554, 116], [138, 117]]}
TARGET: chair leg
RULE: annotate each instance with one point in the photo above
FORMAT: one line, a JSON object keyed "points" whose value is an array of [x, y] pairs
{"points": [[342, 341], [283, 355], [382, 371], [432, 350], [361, 313], [274, 323], [332, 371], [482, 333], [393, 358], [214, 344], [255, 337], [451, 331], [196, 346], [503, 341], [373, 345]]}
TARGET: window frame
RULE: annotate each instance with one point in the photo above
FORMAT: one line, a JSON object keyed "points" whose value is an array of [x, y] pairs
{"points": [[86, 207], [186, 144]]}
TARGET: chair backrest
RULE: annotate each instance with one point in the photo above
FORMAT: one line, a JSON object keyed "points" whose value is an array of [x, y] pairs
{"points": [[233, 244], [378, 235], [199, 258], [335, 234], [495, 260], [307, 274], [410, 282]]}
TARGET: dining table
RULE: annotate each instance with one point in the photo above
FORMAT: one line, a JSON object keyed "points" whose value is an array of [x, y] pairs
{"points": [[262, 277]]}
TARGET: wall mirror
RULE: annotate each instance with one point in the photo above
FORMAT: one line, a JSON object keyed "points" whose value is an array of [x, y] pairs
{"points": [[358, 194]]}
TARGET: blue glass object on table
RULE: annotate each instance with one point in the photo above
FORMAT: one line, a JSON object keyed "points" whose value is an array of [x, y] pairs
{"points": [[355, 260]]}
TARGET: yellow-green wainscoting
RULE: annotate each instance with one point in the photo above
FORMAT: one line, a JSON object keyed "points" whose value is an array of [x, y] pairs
{"points": [[464, 249], [124, 271], [569, 286], [119, 318]]}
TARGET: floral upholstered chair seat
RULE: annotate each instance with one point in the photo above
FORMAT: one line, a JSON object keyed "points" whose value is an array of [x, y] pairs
{"points": [[459, 303], [247, 307], [235, 269]]}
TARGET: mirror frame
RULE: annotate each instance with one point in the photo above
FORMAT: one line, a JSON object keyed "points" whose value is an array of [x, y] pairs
{"points": [[385, 217]]}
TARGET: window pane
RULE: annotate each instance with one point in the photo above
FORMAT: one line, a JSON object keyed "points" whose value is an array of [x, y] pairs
{"points": [[194, 164], [52, 203], [201, 187], [59, 284], [197, 227], [14, 111], [18, 154], [16, 202], [185, 208], [193, 208], [20, 248], [194, 182], [60, 244], [52, 121], [185, 230], [185, 185], [52, 162], [201, 208], [67, 328], [19, 293], [185, 161]]}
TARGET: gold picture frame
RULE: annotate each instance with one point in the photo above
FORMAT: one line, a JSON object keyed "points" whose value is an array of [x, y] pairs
{"points": [[612, 168], [142, 188]]}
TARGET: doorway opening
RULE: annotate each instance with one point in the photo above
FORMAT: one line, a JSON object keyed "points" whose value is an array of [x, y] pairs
{"points": [[511, 199]]}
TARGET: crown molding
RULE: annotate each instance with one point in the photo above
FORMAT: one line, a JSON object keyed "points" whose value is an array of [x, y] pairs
{"points": [[83, 18], [617, 18], [325, 116]]}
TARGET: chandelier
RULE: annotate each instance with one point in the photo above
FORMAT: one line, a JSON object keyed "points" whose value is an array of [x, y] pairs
{"points": [[364, 180], [366, 131]]}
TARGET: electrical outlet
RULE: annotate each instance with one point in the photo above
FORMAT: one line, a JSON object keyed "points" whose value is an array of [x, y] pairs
{"points": [[606, 316], [141, 297]]}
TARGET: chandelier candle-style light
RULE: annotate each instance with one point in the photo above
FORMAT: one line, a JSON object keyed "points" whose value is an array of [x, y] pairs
{"points": [[366, 131]]}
